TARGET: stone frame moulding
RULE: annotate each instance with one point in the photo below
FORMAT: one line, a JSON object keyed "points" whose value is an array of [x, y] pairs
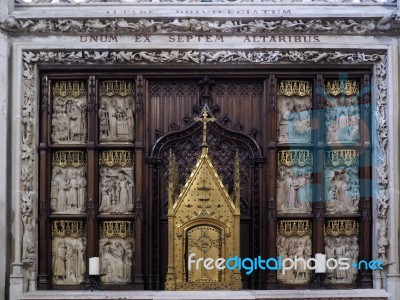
{"points": [[28, 206]]}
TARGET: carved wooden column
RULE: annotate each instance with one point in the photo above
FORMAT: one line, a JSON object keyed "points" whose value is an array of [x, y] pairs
{"points": [[139, 170], [92, 167], [44, 275], [271, 280], [365, 276], [318, 169]]}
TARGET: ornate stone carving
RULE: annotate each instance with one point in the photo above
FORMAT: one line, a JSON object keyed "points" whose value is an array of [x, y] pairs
{"points": [[116, 111], [389, 23], [294, 111], [28, 179], [116, 187], [342, 184], [294, 240], [69, 112], [342, 113], [117, 251], [68, 252], [341, 241], [68, 182], [294, 194]]}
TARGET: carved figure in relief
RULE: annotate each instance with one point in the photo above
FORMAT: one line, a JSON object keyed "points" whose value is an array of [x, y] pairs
{"points": [[68, 260], [116, 256], [28, 243], [68, 120], [342, 247], [116, 118], [68, 190], [116, 188], [294, 189], [295, 246], [294, 120], [342, 190], [342, 119]]}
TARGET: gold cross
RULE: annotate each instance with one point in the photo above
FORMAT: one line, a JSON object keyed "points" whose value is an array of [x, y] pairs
{"points": [[205, 120]]}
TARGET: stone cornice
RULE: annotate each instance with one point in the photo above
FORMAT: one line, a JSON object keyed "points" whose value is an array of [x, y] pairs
{"points": [[388, 25]]}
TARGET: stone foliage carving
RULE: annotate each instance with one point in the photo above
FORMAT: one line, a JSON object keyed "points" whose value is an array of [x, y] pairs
{"points": [[68, 252], [28, 180], [342, 114], [294, 193], [257, 26], [342, 183], [294, 240], [116, 111], [117, 251], [116, 182]]}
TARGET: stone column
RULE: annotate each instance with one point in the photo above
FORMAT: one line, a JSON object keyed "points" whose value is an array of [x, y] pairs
{"points": [[392, 284], [4, 162]]}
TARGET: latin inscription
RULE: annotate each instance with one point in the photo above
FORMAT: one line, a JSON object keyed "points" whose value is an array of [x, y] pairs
{"points": [[207, 12], [198, 39]]}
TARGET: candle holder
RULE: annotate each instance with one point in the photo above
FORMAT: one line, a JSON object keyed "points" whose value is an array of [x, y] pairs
{"points": [[318, 281], [95, 282]]}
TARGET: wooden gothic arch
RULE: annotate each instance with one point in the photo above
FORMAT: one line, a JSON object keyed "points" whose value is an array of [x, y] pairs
{"points": [[223, 145]]}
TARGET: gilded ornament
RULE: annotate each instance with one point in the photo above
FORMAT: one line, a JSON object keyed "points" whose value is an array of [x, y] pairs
{"points": [[112, 88], [338, 227], [67, 228], [69, 159], [294, 87], [296, 157], [294, 227], [69, 88], [120, 229], [342, 157], [336, 87], [112, 158]]}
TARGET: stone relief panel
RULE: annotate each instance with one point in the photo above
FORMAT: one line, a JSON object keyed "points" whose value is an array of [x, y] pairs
{"points": [[68, 121], [68, 252], [294, 194], [116, 186], [294, 240], [68, 182], [294, 111], [342, 114], [341, 241], [116, 111], [342, 183], [117, 252]]}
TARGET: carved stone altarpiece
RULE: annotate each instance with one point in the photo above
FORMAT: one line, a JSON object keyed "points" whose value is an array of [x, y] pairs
{"points": [[203, 220]]}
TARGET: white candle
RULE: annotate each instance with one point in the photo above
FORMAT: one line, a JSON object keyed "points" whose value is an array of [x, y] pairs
{"points": [[320, 263], [94, 266]]}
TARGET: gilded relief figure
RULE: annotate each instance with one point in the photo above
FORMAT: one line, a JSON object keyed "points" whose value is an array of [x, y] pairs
{"points": [[69, 125], [68, 190], [69, 264], [116, 257], [116, 190]]}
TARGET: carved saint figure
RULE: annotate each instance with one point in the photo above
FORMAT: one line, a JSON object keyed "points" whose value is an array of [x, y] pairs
{"points": [[294, 120], [116, 255], [116, 188]]}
